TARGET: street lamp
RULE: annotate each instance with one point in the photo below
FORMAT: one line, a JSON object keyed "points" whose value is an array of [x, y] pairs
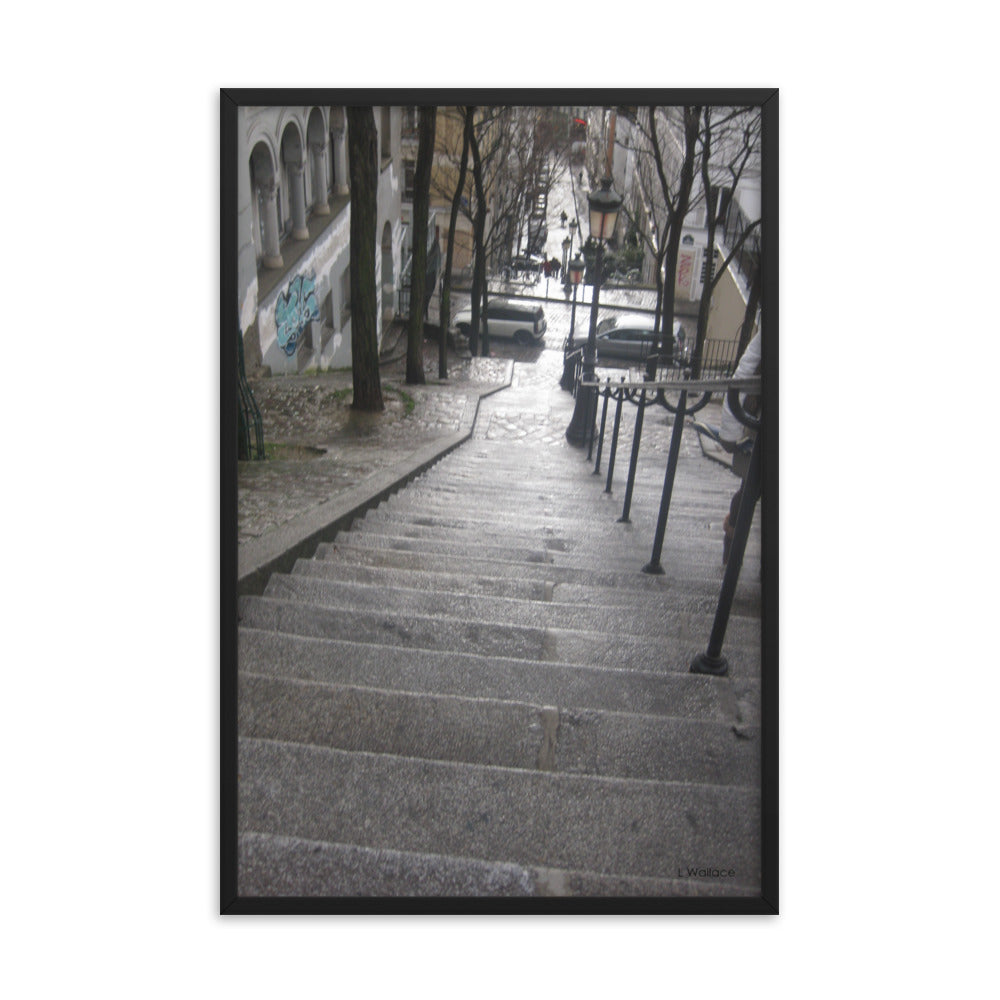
{"points": [[574, 274], [604, 205]]}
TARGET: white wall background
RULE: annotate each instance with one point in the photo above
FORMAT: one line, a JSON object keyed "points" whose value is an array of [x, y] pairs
{"points": [[111, 634]]}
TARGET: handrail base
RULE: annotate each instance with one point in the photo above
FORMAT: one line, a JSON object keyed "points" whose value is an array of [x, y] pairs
{"points": [[717, 666]]}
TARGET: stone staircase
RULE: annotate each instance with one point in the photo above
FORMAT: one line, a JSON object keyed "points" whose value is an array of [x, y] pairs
{"points": [[475, 691]]}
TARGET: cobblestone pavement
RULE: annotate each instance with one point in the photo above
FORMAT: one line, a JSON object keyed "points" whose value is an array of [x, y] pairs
{"points": [[318, 447]]}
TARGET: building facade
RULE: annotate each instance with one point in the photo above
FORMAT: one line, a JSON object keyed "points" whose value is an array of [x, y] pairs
{"points": [[618, 144], [293, 218]]}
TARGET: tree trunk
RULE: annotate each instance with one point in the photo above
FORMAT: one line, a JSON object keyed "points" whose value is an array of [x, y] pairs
{"points": [[711, 216], [446, 286], [675, 221], [479, 284], [418, 268], [362, 141]]}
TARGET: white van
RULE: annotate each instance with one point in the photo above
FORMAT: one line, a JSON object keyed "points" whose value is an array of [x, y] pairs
{"points": [[521, 322]]}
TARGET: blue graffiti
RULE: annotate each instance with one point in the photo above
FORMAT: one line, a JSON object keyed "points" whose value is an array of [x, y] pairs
{"points": [[295, 307]]}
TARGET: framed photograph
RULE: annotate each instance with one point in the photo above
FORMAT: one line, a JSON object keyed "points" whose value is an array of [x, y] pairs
{"points": [[499, 509]]}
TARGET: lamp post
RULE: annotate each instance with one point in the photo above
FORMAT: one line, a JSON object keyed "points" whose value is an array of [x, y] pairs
{"points": [[604, 205], [574, 274], [576, 268]]}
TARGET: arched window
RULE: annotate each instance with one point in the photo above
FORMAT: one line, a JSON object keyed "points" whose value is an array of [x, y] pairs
{"points": [[293, 164], [318, 172], [263, 183]]}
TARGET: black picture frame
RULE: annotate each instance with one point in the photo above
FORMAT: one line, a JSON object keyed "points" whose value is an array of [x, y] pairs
{"points": [[230, 900]]}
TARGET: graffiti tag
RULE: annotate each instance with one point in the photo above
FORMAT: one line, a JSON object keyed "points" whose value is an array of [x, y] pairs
{"points": [[295, 308]]}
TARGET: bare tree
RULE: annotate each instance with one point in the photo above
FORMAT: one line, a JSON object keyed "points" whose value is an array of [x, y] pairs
{"points": [[362, 142], [479, 284], [450, 257], [677, 203], [729, 145], [418, 269], [664, 141]]}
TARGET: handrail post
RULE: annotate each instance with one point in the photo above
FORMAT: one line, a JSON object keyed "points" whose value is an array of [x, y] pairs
{"points": [[591, 423], [604, 420], [712, 661], [653, 566], [614, 437], [569, 369], [633, 463]]}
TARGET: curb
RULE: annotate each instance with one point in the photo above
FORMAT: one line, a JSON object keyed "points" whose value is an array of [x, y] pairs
{"points": [[278, 550]]}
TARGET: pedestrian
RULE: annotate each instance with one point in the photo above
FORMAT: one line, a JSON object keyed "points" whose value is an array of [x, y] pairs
{"points": [[563, 218], [555, 267], [738, 439], [546, 268]]}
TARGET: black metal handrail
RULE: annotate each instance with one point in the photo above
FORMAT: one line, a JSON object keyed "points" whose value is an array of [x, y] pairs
{"points": [[647, 393]]}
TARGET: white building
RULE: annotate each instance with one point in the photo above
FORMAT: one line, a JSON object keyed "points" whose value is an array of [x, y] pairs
{"points": [[293, 219], [618, 143]]}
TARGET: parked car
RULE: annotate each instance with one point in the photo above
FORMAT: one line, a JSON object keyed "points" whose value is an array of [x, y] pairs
{"points": [[629, 337], [522, 322]]}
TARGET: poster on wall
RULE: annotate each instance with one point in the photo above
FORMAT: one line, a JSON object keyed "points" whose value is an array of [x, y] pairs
{"points": [[498, 515]]}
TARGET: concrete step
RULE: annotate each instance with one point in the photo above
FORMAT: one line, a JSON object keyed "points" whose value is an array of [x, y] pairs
{"points": [[607, 540], [629, 578], [608, 826], [600, 515], [696, 596], [602, 540], [686, 636], [492, 525], [497, 733], [730, 700], [607, 619], [548, 468], [290, 866], [584, 498]]}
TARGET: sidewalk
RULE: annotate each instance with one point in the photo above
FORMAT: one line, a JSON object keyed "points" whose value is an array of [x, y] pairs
{"points": [[327, 463]]}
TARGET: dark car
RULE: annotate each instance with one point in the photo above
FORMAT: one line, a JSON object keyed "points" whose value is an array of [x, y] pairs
{"points": [[629, 337]]}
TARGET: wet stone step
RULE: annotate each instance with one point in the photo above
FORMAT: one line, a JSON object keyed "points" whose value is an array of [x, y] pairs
{"points": [[610, 826], [497, 610], [695, 596], [497, 733], [687, 636], [332, 661], [291, 866], [627, 575], [615, 556]]}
